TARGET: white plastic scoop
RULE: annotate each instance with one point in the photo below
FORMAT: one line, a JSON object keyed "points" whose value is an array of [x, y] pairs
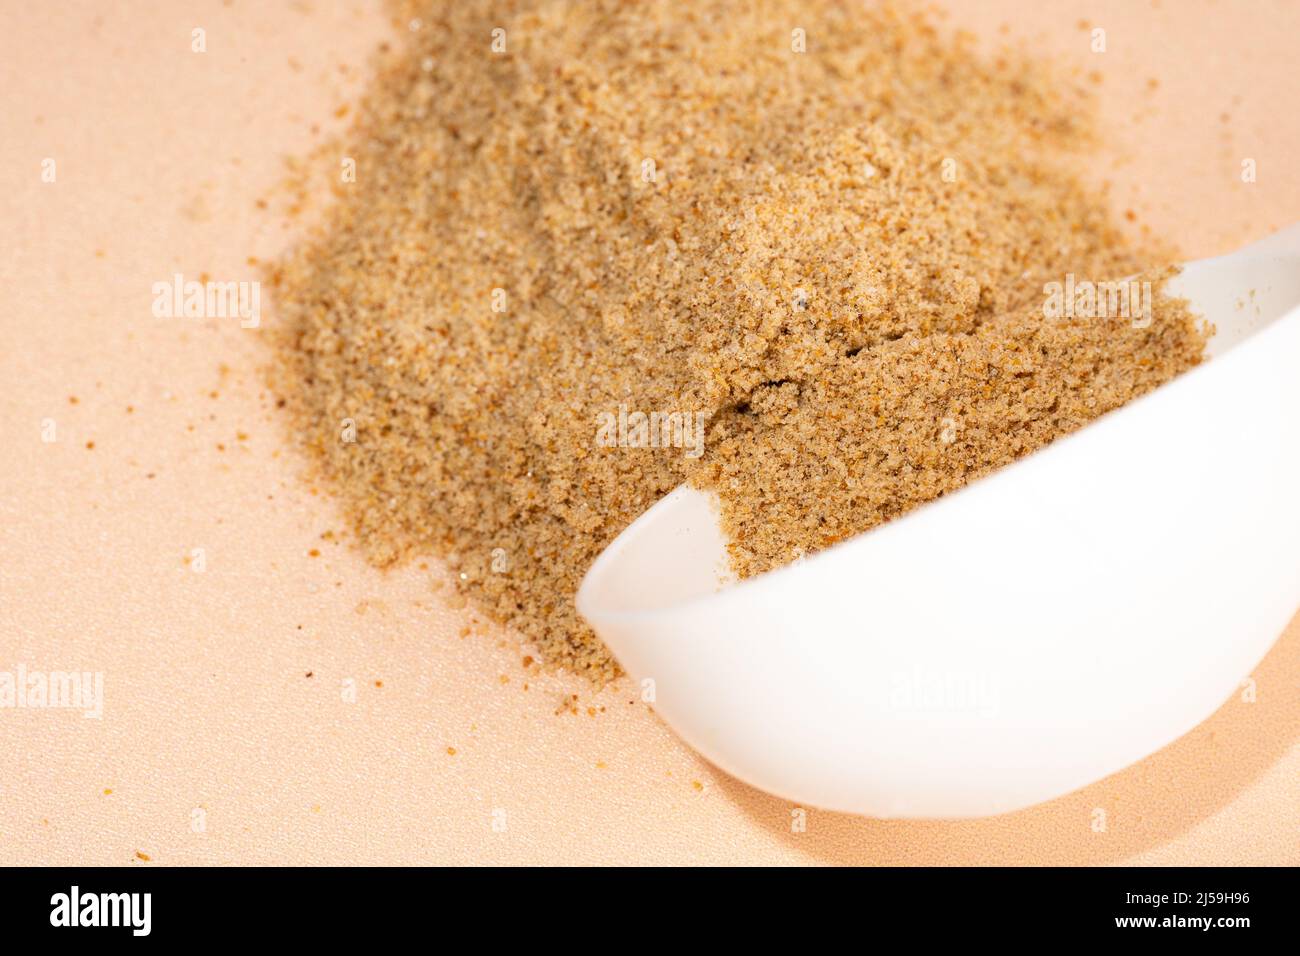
{"points": [[1040, 629]]}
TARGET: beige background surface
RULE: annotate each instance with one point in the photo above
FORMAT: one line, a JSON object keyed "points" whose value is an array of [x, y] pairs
{"points": [[223, 688]]}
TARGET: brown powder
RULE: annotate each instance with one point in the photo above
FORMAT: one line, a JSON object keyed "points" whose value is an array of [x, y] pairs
{"points": [[824, 234]]}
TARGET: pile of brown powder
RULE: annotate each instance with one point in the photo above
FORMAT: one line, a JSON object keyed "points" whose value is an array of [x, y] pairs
{"points": [[824, 230]]}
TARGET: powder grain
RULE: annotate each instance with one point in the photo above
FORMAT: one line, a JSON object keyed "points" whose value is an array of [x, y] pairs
{"points": [[820, 233]]}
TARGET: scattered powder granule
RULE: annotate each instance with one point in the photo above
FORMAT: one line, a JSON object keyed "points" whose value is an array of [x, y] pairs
{"points": [[820, 232]]}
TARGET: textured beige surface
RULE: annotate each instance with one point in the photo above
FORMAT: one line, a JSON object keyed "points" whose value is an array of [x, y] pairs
{"points": [[161, 155]]}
